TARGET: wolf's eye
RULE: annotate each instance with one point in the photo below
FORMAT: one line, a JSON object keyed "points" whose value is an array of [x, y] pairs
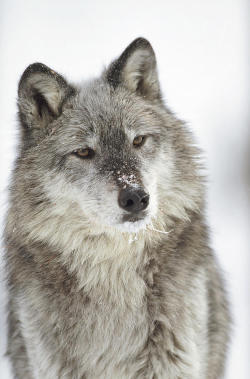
{"points": [[139, 141], [85, 153]]}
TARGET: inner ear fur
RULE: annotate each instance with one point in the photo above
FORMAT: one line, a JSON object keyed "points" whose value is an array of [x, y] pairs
{"points": [[41, 94], [136, 69]]}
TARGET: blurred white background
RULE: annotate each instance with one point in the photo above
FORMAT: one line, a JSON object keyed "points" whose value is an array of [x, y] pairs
{"points": [[201, 47]]}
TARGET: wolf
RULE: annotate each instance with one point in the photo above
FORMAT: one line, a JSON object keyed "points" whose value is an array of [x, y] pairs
{"points": [[110, 270]]}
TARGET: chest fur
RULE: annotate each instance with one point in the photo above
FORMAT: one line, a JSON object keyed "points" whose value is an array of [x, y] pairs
{"points": [[94, 327], [120, 306]]}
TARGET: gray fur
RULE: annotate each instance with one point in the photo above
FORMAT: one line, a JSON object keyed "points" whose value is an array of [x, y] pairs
{"points": [[92, 295]]}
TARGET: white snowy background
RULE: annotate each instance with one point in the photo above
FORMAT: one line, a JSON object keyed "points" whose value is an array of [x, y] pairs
{"points": [[201, 48]]}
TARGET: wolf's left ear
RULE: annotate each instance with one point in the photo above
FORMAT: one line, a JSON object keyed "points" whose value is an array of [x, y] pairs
{"points": [[41, 95], [136, 70]]}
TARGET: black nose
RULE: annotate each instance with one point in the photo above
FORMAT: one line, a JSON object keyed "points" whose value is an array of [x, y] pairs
{"points": [[133, 199]]}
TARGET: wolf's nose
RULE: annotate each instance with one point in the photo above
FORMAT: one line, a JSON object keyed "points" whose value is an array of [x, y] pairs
{"points": [[133, 200]]}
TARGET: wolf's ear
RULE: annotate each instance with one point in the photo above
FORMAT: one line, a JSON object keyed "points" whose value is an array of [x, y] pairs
{"points": [[41, 94], [136, 70]]}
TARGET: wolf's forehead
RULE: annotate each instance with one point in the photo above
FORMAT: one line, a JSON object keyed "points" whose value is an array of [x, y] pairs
{"points": [[102, 104], [113, 115], [108, 127]]}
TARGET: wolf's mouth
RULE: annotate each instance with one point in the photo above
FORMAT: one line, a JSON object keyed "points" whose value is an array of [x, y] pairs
{"points": [[133, 218]]}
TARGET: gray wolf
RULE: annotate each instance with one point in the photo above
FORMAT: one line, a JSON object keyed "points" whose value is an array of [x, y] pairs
{"points": [[110, 273]]}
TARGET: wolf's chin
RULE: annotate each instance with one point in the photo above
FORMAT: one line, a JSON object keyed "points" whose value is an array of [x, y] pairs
{"points": [[133, 227]]}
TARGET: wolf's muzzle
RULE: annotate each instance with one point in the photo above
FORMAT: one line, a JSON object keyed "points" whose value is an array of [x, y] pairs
{"points": [[133, 200]]}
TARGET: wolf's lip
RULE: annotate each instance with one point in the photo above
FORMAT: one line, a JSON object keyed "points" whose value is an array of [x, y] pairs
{"points": [[132, 218]]}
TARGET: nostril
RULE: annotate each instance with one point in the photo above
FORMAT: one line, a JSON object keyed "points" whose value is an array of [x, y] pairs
{"points": [[129, 203], [145, 200], [133, 200]]}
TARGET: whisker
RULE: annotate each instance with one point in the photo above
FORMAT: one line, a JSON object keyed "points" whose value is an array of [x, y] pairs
{"points": [[160, 231]]}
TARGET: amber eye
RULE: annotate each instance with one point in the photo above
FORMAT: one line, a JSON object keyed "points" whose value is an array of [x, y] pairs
{"points": [[139, 141], [85, 153]]}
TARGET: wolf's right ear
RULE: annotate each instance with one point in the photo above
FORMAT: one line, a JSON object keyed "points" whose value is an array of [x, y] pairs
{"points": [[136, 70], [41, 95]]}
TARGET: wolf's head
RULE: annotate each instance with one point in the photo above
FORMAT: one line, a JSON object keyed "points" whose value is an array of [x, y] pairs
{"points": [[107, 153]]}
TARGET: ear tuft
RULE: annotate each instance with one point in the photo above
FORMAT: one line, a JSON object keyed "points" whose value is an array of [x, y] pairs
{"points": [[136, 70], [41, 94]]}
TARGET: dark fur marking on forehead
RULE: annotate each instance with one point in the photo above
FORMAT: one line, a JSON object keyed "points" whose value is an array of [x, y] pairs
{"points": [[113, 137]]}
